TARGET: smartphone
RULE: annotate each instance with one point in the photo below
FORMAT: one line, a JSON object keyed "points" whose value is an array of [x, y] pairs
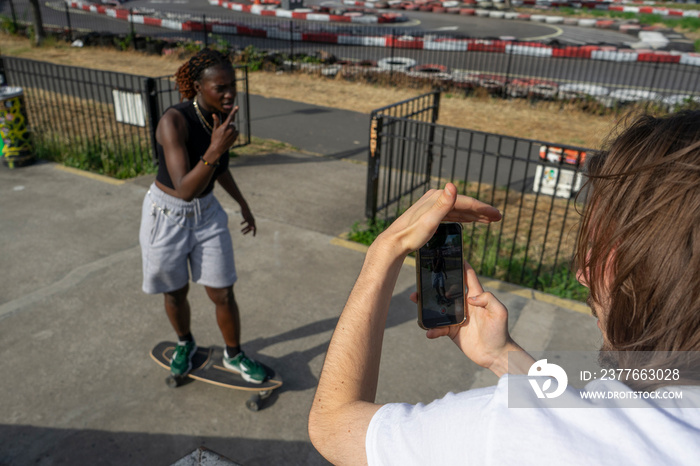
{"points": [[440, 278]]}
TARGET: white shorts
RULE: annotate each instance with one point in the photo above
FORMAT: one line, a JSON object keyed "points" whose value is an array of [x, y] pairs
{"points": [[438, 280], [176, 233]]}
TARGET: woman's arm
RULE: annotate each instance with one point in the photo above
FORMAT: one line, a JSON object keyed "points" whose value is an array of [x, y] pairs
{"points": [[229, 184], [171, 134]]}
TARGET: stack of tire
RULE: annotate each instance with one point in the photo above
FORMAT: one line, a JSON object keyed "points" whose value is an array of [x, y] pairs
{"points": [[532, 88]]}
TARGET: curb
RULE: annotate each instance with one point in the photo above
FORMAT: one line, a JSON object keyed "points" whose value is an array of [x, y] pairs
{"points": [[92, 176], [498, 285]]}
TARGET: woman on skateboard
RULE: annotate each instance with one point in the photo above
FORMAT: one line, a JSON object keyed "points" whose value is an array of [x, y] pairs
{"points": [[182, 223]]}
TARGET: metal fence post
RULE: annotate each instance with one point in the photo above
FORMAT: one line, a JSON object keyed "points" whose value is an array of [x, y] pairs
{"points": [[70, 28], [653, 82], [431, 136], [14, 14], [504, 93], [291, 43], [247, 107], [204, 31], [373, 162], [436, 106], [153, 113], [391, 61], [131, 26], [3, 79]]}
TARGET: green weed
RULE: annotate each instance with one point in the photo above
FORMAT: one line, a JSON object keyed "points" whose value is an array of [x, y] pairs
{"points": [[500, 258], [7, 25], [366, 234], [96, 156]]}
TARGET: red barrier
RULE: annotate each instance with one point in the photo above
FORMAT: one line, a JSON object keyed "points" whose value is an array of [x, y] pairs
{"points": [[246, 31], [497, 46], [400, 43], [191, 26], [658, 57], [326, 37], [575, 52], [147, 20]]}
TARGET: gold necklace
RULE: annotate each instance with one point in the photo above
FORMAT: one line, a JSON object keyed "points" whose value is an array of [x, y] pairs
{"points": [[203, 121]]}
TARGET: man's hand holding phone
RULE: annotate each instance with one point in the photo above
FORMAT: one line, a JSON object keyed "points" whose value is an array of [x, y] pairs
{"points": [[484, 336], [418, 224]]}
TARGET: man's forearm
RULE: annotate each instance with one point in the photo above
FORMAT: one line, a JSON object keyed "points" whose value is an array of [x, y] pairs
{"points": [[344, 401]]}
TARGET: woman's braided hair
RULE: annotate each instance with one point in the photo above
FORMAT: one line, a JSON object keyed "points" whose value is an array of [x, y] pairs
{"points": [[192, 70]]}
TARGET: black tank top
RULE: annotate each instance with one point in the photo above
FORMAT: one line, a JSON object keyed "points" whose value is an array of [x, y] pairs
{"points": [[198, 140]]}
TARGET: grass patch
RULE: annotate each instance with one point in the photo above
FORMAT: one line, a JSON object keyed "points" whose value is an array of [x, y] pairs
{"points": [[680, 24], [95, 155], [531, 246], [366, 233], [260, 146], [501, 259]]}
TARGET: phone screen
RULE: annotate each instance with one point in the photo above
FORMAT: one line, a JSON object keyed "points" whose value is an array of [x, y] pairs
{"points": [[440, 278]]}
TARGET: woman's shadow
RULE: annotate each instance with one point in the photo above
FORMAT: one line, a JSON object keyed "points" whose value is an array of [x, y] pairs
{"points": [[294, 367]]}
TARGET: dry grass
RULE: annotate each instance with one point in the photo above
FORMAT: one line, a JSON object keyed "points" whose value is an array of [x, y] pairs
{"points": [[547, 121]]}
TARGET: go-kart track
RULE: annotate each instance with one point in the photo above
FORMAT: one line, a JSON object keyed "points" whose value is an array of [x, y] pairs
{"points": [[421, 40]]}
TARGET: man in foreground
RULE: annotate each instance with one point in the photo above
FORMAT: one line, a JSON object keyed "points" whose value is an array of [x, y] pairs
{"points": [[639, 253]]}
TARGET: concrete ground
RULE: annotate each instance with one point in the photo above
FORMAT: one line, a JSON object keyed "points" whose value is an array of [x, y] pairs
{"points": [[78, 384]]}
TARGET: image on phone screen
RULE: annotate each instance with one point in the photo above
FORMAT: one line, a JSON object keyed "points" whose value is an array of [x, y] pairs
{"points": [[441, 278]]}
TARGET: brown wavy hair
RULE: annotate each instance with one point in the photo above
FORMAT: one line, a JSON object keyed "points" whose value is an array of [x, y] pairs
{"points": [[639, 242], [192, 70], [643, 222]]}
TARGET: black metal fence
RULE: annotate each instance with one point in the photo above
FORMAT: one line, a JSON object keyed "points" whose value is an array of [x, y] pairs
{"points": [[105, 119], [533, 183], [421, 108], [508, 68]]}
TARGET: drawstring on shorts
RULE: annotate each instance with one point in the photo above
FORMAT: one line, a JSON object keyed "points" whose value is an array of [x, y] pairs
{"points": [[193, 209]]}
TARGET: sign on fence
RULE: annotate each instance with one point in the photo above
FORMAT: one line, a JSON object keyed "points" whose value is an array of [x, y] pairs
{"points": [[558, 182], [129, 108]]}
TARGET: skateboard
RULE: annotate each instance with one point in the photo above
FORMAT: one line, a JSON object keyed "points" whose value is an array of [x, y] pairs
{"points": [[207, 366]]}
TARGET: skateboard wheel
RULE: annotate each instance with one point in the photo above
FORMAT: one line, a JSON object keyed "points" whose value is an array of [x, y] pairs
{"points": [[172, 381], [253, 403]]}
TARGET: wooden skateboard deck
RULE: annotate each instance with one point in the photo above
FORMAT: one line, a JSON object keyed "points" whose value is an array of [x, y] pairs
{"points": [[207, 366]]}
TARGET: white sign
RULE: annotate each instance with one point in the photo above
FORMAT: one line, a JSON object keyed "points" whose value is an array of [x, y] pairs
{"points": [[129, 108], [558, 182]]}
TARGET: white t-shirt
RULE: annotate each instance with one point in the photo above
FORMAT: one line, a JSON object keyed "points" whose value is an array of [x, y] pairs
{"points": [[477, 427]]}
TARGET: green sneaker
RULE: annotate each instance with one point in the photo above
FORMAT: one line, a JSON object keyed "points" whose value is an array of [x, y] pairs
{"points": [[181, 362], [251, 371]]}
